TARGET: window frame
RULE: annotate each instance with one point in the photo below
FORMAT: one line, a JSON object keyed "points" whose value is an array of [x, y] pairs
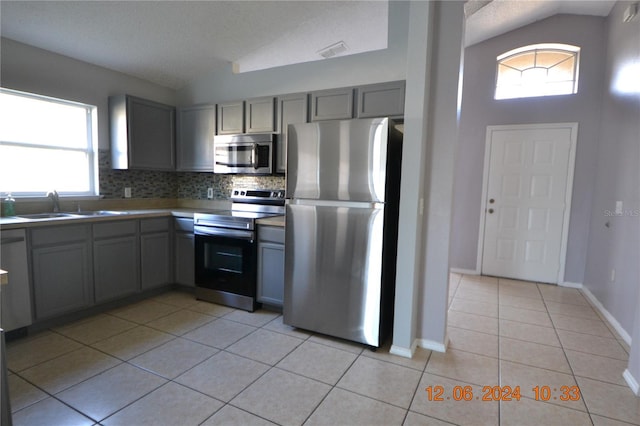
{"points": [[534, 48], [90, 148]]}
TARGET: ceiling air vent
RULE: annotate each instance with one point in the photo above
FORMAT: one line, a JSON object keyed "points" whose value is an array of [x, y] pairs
{"points": [[333, 50]]}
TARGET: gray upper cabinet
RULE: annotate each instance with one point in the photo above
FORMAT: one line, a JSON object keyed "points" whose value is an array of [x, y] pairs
{"points": [[292, 109], [381, 100], [142, 134], [61, 268], [336, 104], [231, 118], [259, 114], [196, 128]]}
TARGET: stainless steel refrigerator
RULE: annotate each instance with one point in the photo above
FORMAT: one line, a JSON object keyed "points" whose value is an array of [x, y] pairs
{"points": [[343, 189]]}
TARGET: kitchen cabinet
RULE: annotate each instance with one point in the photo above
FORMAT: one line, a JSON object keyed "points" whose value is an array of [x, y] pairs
{"points": [[61, 270], [259, 115], [381, 100], [255, 115], [115, 260], [196, 128], [292, 109], [270, 265], [16, 298], [184, 242], [155, 253], [142, 134], [335, 104], [230, 118]]}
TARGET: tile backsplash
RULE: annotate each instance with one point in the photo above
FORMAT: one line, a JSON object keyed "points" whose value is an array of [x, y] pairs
{"points": [[151, 184]]}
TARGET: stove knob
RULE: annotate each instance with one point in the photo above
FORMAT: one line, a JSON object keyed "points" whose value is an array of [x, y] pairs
{"points": [[242, 193], [235, 192]]}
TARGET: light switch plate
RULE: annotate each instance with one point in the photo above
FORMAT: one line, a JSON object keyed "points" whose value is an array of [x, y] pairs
{"points": [[127, 192], [209, 193]]}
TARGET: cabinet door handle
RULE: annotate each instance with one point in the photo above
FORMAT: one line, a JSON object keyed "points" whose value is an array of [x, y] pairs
{"points": [[491, 201], [490, 211]]}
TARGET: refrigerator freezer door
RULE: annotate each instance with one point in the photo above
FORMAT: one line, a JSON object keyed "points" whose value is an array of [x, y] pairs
{"points": [[338, 160], [333, 270]]}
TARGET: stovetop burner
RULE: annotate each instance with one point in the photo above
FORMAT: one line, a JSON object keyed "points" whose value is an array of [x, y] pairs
{"points": [[248, 205]]}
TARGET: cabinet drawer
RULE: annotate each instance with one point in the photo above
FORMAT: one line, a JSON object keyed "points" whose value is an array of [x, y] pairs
{"points": [[113, 229], [59, 234], [274, 234], [183, 225], [160, 224]]}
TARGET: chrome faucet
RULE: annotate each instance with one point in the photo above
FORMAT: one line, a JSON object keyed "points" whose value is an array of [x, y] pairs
{"points": [[56, 200]]}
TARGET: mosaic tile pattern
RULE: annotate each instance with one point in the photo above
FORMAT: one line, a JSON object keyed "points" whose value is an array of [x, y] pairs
{"points": [[152, 184]]}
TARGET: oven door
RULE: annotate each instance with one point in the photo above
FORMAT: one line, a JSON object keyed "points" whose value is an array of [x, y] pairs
{"points": [[226, 261]]}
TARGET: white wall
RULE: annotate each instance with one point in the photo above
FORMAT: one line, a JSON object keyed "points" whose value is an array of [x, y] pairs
{"points": [[442, 141], [480, 110], [372, 67], [34, 70], [617, 246]]}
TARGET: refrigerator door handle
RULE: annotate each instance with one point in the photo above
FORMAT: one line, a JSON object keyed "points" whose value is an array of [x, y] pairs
{"points": [[336, 203]]}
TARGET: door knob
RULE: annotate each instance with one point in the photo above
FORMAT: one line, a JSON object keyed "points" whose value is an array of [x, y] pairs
{"points": [[490, 211], [491, 201]]}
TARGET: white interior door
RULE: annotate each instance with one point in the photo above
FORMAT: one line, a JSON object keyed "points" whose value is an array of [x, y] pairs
{"points": [[528, 181]]}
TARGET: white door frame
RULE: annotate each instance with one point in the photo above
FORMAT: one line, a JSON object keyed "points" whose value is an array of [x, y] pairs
{"points": [[569, 192]]}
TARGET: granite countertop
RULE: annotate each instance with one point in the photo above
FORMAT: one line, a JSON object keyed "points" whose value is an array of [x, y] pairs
{"points": [[271, 221]]}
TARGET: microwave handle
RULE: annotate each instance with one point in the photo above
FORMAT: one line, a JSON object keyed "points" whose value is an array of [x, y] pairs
{"points": [[254, 156]]}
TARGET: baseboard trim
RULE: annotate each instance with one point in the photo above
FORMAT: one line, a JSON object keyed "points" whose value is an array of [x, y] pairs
{"points": [[614, 323], [464, 271], [402, 351], [570, 284], [433, 345], [631, 381]]}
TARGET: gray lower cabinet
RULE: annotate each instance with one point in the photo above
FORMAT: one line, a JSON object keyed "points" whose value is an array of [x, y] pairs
{"points": [[381, 100], [155, 253], [184, 243], [270, 265], [335, 104], [292, 109], [194, 147], [115, 260], [61, 270]]}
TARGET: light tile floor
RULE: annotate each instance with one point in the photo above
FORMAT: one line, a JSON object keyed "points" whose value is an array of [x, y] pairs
{"points": [[172, 360]]}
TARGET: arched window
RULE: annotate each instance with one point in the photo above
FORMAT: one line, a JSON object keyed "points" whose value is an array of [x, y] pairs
{"points": [[537, 70]]}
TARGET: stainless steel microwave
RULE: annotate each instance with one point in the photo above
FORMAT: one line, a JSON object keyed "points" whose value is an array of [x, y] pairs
{"points": [[244, 154]]}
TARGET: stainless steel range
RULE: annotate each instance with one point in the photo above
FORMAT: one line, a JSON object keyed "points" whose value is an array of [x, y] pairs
{"points": [[226, 247]]}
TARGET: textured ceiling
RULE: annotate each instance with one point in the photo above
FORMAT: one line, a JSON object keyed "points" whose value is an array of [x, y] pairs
{"points": [[174, 42], [487, 19]]}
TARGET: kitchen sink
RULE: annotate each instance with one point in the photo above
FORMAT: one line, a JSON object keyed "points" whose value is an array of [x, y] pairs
{"points": [[99, 213], [39, 216], [45, 215]]}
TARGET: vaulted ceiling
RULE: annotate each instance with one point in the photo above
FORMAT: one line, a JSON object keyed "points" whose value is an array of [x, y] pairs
{"points": [[173, 42]]}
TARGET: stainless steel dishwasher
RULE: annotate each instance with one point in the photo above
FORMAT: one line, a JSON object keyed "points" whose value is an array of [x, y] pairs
{"points": [[16, 296]]}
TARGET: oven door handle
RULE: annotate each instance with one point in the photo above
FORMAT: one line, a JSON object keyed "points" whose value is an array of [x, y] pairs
{"points": [[229, 233]]}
